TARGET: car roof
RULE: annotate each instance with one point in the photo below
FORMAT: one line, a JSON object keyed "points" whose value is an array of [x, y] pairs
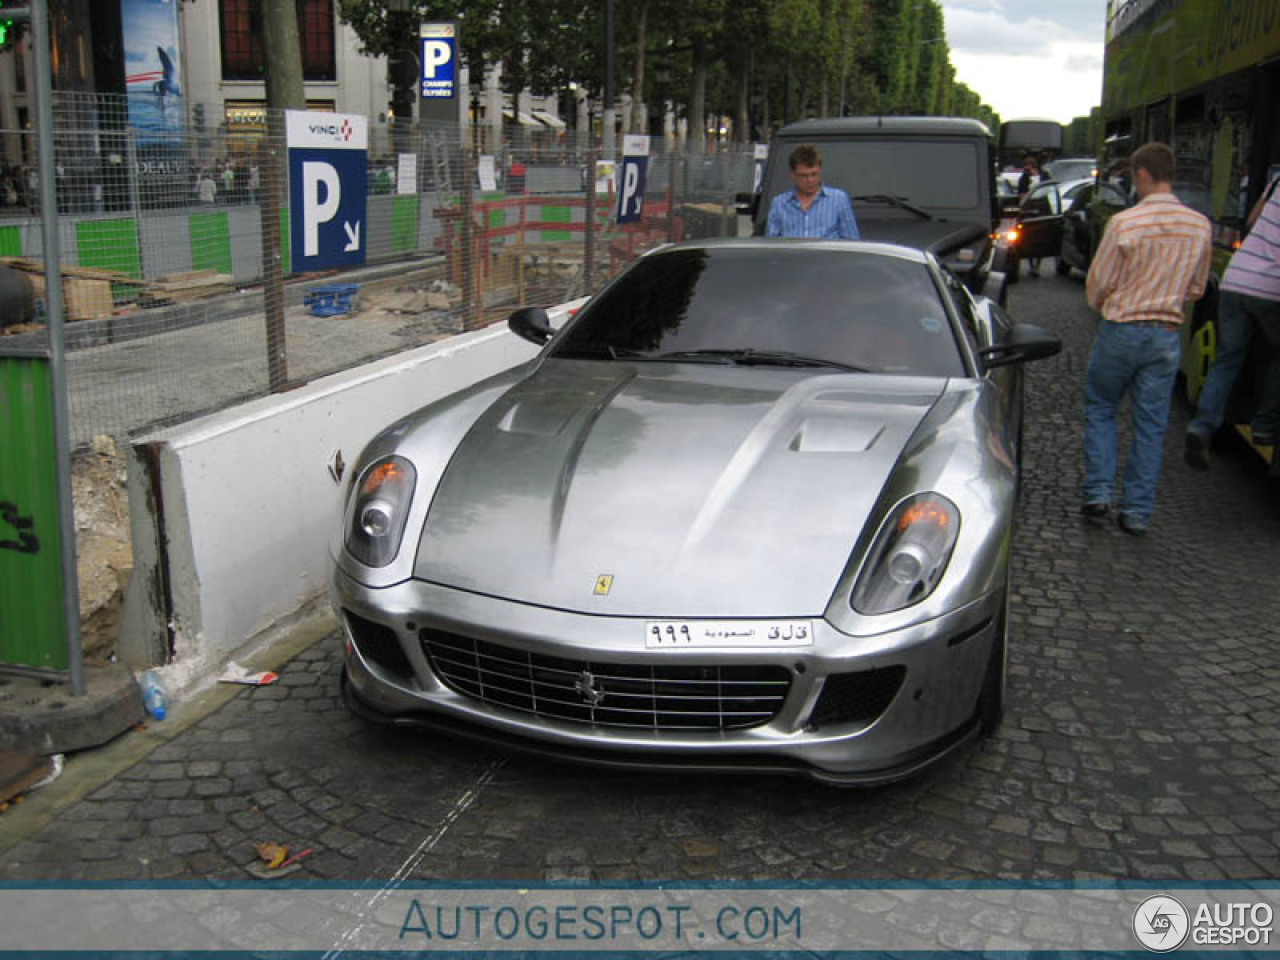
{"points": [[757, 243], [1072, 184], [907, 126]]}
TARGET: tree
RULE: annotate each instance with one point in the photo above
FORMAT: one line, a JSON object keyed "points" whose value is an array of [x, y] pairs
{"points": [[752, 59]]}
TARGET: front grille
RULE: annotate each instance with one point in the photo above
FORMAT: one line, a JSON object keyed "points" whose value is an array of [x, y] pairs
{"points": [[857, 697], [646, 696]]}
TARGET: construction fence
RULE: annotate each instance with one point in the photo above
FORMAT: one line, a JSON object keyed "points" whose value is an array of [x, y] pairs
{"points": [[178, 279]]}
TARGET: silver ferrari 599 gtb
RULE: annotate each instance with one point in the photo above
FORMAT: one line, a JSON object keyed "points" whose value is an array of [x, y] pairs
{"points": [[750, 508]]}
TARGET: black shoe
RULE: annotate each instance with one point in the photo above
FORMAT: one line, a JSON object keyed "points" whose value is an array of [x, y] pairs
{"points": [[1095, 511], [1197, 452], [1130, 526]]}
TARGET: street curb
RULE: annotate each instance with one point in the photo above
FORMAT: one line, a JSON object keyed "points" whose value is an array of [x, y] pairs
{"points": [[88, 770]]}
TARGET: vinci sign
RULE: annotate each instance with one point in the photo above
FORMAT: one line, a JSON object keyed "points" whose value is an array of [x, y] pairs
{"points": [[328, 179]]}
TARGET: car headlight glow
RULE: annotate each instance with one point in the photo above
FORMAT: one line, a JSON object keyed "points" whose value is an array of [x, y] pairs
{"points": [[380, 510], [909, 556]]}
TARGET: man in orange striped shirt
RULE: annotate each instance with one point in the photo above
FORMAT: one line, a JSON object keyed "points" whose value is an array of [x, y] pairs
{"points": [[1153, 258]]}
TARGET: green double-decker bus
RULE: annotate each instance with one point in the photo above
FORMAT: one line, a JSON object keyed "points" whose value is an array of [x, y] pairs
{"points": [[1204, 77]]}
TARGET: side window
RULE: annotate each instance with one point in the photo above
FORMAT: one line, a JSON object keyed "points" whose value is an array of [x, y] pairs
{"points": [[1042, 201], [1111, 196], [1081, 198]]}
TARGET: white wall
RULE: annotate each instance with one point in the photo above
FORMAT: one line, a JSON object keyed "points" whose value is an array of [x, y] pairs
{"points": [[249, 505]]}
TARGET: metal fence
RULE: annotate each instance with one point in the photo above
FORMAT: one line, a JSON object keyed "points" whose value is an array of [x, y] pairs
{"points": [[171, 243]]}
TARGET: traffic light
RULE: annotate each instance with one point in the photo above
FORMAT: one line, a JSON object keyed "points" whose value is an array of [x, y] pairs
{"points": [[13, 17]]}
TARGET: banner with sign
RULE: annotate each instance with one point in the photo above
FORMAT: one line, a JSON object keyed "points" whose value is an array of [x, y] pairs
{"points": [[635, 165], [153, 69], [328, 188], [439, 58]]}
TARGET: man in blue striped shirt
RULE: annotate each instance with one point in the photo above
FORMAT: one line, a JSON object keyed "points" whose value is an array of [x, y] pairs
{"points": [[812, 209]]}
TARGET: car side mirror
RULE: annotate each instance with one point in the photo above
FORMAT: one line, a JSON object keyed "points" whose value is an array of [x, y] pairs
{"points": [[746, 203], [532, 324], [1026, 342]]}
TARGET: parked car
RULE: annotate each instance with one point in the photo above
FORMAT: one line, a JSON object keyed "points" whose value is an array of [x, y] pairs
{"points": [[923, 182], [749, 509], [1043, 218]]}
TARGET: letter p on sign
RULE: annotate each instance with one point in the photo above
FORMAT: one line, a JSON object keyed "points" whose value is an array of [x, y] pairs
{"points": [[318, 178], [435, 53], [631, 193]]}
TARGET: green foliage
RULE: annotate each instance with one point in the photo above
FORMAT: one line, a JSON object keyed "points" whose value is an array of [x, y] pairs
{"points": [[774, 59]]}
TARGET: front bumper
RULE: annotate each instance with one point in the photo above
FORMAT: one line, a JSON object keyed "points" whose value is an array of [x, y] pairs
{"points": [[939, 667]]}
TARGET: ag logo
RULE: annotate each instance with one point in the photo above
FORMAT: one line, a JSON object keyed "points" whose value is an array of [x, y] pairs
{"points": [[1161, 923]]}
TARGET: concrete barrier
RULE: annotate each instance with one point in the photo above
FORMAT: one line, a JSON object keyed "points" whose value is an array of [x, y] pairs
{"points": [[231, 515]]}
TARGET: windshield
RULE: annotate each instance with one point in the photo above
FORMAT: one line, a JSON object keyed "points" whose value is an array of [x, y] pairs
{"points": [[1063, 170], [788, 305], [942, 176]]}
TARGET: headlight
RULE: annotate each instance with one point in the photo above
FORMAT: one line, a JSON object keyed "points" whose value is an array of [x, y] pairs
{"points": [[909, 556], [380, 510]]}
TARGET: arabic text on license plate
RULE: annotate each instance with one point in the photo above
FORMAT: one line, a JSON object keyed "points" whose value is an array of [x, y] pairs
{"points": [[728, 633]]}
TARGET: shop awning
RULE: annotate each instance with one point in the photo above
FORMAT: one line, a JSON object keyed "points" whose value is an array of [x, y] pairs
{"points": [[550, 119], [521, 118]]}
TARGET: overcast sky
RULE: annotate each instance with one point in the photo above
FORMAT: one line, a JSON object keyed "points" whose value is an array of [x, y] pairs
{"points": [[1029, 59]]}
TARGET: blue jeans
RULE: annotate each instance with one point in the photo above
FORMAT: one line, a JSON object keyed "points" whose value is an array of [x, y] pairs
{"points": [[1239, 316], [1143, 362]]}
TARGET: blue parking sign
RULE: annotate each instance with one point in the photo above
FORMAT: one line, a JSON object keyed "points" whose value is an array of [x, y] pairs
{"points": [[328, 187], [439, 57], [631, 188], [635, 165]]}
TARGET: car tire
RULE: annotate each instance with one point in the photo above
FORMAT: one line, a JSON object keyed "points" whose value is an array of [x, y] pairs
{"points": [[1061, 266], [995, 679]]}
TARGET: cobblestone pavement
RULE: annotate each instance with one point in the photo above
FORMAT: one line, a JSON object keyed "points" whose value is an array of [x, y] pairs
{"points": [[1141, 740]]}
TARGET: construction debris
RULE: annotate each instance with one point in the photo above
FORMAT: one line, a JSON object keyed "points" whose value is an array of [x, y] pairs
{"points": [[183, 287]]}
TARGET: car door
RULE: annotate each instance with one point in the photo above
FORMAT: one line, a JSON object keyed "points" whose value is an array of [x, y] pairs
{"points": [[1041, 221], [1075, 227]]}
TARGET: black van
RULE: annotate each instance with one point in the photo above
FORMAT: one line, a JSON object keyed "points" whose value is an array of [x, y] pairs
{"points": [[923, 182]]}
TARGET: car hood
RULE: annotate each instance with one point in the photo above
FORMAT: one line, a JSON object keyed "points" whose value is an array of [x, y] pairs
{"points": [[696, 490], [938, 236]]}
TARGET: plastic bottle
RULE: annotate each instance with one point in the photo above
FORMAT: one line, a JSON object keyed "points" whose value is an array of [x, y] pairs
{"points": [[154, 698]]}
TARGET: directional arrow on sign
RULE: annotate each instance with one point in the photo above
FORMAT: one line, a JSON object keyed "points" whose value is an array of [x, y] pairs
{"points": [[353, 236]]}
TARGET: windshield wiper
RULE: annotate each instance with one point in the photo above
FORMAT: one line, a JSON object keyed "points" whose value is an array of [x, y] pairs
{"points": [[696, 356], [748, 357], [600, 351], [902, 202]]}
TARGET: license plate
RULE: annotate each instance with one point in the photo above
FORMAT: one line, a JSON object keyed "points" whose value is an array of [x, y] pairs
{"points": [[728, 633]]}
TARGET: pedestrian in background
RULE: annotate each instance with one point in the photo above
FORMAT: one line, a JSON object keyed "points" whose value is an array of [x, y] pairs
{"points": [[1032, 174], [1153, 258], [228, 181], [811, 209], [206, 189], [1248, 302]]}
